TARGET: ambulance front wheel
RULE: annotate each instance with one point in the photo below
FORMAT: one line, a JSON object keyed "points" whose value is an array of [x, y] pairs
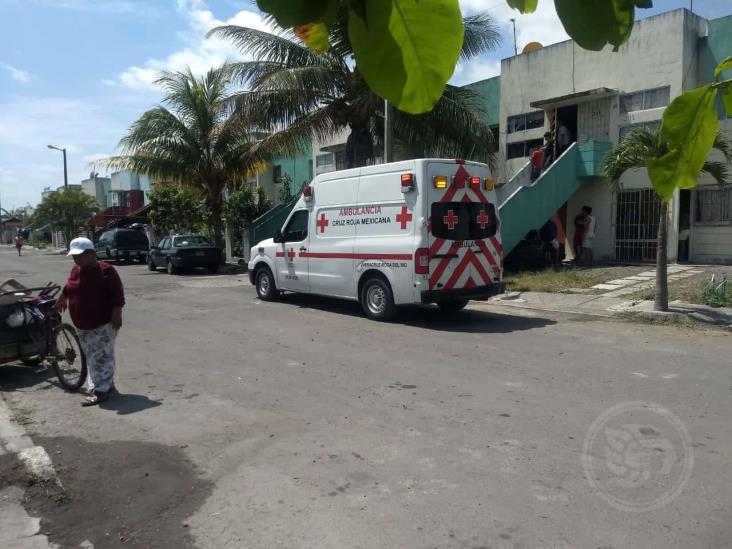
{"points": [[377, 299], [264, 283]]}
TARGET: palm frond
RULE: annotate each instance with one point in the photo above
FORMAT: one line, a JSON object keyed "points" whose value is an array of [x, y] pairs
{"points": [[481, 35], [632, 152], [720, 171], [266, 46], [723, 144]]}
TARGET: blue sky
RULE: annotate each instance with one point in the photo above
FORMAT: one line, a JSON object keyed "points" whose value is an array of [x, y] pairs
{"points": [[77, 73]]}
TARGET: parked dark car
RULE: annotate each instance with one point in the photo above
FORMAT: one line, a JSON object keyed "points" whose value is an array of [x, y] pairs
{"points": [[187, 251], [122, 244]]}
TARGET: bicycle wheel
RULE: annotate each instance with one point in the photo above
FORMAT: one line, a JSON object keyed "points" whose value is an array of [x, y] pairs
{"points": [[68, 359]]}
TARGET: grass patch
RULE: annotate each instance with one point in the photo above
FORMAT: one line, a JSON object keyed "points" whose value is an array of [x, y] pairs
{"points": [[552, 281]]}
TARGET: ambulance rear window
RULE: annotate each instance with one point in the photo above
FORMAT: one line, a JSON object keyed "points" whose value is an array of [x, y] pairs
{"points": [[463, 220]]}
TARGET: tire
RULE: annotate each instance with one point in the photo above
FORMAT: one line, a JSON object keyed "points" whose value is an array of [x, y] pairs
{"points": [[67, 358], [213, 269], [151, 264], [172, 269], [452, 306], [377, 299], [265, 285]]}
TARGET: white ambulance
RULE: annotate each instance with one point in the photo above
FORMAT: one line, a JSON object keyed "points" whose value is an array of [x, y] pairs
{"points": [[417, 231]]}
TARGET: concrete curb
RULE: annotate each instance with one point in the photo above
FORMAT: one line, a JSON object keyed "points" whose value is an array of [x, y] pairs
{"points": [[14, 440]]}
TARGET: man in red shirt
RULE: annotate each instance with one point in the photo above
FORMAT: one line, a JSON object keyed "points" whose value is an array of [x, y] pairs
{"points": [[537, 161], [94, 296]]}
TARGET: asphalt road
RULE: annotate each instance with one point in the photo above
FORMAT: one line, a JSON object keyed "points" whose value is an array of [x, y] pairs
{"points": [[300, 424]]}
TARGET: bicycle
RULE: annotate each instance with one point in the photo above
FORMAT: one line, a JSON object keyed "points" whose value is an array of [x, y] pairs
{"points": [[32, 331]]}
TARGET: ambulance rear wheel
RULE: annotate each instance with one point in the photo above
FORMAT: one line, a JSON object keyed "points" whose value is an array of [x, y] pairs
{"points": [[264, 283], [452, 306], [377, 299]]}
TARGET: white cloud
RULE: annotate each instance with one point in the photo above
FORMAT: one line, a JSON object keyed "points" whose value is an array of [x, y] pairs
{"points": [[473, 71], [15, 73], [200, 54], [541, 26]]}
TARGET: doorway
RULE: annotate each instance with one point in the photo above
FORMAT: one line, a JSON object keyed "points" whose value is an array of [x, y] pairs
{"points": [[568, 116]]}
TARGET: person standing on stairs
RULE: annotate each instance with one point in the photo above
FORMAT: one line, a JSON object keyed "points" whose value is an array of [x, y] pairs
{"points": [[564, 138], [589, 240]]}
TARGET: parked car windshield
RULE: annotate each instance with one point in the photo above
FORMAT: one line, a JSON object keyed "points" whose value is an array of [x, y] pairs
{"points": [[190, 241], [130, 238]]}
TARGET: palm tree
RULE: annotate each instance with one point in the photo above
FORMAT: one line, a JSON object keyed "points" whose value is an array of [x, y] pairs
{"points": [[192, 140], [303, 94], [633, 152]]}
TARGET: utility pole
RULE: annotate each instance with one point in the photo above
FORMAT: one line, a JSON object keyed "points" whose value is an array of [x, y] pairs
{"points": [[388, 132], [515, 49], [66, 177]]}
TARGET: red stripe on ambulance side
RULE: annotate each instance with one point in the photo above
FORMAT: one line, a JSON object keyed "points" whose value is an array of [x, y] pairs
{"points": [[327, 255]]}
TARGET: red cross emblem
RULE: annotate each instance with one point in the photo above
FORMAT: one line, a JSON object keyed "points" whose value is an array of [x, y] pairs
{"points": [[482, 219], [404, 217], [322, 223], [291, 254], [450, 219]]}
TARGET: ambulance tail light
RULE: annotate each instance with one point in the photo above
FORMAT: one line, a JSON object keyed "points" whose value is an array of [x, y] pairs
{"points": [[489, 184], [475, 182], [422, 261], [440, 182], [407, 182], [307, 193]]}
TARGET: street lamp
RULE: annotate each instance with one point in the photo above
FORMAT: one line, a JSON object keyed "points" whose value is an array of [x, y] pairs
{"points": [[66, 177]]}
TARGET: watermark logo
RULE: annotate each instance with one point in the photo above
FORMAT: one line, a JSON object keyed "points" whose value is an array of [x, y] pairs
{"points": [[638, 456]]}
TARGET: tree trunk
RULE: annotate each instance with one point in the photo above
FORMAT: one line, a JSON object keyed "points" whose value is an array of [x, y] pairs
{"points": [[661, 303], [216, 224]]}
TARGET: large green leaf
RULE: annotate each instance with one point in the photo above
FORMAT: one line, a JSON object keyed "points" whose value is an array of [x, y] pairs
{"points": [[688, 128], [726, 64], [524, 6], [301, 12], [595, 23], [406, 50], [727, 99]]}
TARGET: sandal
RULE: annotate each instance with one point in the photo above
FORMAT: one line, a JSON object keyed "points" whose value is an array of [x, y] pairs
{"points": [[96, 398]]}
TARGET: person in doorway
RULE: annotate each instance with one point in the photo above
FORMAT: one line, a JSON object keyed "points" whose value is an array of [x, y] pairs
{"points": [[94, 296], [537, 162], [18, 242], [580, 225], [564, 137], [548, 150], [589, 240]]}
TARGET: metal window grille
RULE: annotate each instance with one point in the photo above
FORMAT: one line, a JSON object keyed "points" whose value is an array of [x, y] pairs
{"points": [[636, 225], [713, 206]]}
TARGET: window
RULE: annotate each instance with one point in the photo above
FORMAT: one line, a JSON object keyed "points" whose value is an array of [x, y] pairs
{"points": [[341, 161], [323, 160], [463, 220], [650, 126], [713, 206], [645, 99], [276, 173], [526, 121], [164, 244], [297, 227], [192, 241], [522, 149]]}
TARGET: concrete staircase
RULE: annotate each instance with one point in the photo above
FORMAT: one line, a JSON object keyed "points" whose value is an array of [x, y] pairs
{"points": [[525, 205]]}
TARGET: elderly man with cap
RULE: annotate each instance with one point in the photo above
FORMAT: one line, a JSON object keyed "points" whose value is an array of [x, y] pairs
{"points": [[94, 296]]}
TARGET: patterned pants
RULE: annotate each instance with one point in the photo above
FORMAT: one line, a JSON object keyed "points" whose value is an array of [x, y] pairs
{"points": [[98, 347]]}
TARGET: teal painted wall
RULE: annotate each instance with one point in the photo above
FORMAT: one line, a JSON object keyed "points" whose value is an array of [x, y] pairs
{"points": [[718, 47], [491, 91], [299, 168]]}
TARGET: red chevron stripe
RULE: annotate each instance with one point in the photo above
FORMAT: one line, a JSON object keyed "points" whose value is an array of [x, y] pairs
{"points": [[435, 278]]}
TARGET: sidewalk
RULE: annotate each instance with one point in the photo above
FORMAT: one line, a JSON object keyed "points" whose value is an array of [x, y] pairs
{"points": [[609, 306]]}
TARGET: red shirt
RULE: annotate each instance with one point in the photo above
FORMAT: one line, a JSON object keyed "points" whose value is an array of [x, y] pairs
{"points": [[93, 293], [537, 159]]}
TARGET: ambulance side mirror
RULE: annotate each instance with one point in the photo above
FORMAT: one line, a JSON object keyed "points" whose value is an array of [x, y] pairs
{"points": [[277, 238]]}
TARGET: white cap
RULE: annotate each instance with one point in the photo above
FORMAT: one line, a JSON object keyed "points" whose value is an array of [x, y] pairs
{"points": [[80, 245]]}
